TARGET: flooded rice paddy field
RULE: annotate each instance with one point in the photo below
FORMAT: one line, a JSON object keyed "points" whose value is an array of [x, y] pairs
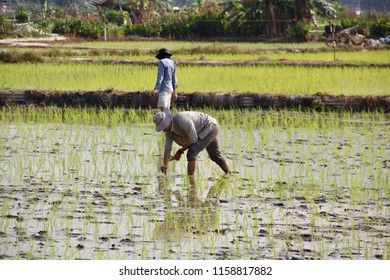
{"points": [[318, 189]]}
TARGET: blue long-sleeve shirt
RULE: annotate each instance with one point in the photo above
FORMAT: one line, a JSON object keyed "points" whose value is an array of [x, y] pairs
{"points": [[166, 76]]}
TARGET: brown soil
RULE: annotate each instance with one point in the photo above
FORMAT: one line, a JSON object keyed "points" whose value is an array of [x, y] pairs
{"points": [[115, 98], [32, 42]]}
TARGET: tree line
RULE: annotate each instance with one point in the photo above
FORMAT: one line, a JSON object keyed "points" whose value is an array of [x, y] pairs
{"points": [[201, 19]]}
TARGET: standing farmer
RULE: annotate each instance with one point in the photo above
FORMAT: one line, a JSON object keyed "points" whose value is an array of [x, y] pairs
{"points": [[194, 131], [166, 80]]}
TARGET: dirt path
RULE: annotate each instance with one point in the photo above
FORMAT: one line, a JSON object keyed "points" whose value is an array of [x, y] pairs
{"points": [[116, 98], [32, 42]]}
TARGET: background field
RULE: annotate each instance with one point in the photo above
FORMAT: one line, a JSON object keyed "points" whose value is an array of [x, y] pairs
{"points": [[354, 72], [84, 183], [259, 79]]}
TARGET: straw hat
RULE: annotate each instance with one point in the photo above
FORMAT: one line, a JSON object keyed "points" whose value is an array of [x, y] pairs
{"points": [[162, 119]]}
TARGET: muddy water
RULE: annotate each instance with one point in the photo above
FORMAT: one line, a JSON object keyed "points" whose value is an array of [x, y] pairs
{"points": [[92, 192]]}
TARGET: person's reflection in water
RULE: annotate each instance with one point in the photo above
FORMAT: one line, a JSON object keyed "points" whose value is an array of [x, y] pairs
{"points": [[186, 215]]}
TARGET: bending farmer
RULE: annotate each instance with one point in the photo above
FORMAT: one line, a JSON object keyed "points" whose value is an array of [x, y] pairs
{"points": [[166, 83], [194, 131]]}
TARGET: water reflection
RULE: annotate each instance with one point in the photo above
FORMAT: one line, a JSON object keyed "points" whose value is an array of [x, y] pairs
{"points": [[187, 214]]}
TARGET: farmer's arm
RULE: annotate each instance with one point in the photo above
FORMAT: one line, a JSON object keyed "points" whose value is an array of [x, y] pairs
{"points": [[164, 167], [181, 151], [167, 152], [188, 126], [174, 83], [160, 76]]}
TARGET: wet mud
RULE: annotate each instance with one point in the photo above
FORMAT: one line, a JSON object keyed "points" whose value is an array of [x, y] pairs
{"points": [[306, 195]]}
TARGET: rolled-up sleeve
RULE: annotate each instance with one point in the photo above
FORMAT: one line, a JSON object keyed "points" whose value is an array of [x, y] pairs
{"points": [[160, 75], [168, 141]]}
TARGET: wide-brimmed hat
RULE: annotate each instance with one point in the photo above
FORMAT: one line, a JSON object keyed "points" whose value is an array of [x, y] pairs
{"points": [[163, 53], [162, 119]]}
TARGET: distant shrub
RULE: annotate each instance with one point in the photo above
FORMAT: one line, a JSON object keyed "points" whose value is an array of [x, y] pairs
{"points": [[6, 27], [144, 29], [78, 27], [376, 25], [380, 29], [15, 57], [22, 14], [117, 17], [298, 31]]}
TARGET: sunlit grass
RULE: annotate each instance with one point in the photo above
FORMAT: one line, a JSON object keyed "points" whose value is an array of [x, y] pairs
{"points": [[356, 56], [363, 56], [185, 46], [261, 79]]}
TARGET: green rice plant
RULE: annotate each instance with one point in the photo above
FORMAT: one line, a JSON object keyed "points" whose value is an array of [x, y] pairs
{"points": [[279, 79], [322, 199], [98, 254], [243, 52], [183, 47]]}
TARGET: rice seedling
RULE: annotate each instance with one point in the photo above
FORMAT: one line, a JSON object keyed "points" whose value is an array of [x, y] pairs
{"points": [[262, 79], [305, 185]]}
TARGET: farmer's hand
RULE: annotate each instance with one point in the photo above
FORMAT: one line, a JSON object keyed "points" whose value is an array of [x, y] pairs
{"points": [[174, 96], [154, 91], [178, 154], [163, 169]]}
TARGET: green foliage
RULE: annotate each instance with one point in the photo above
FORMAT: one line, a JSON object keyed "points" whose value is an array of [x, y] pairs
{"points": [[323, 8], [192, 26], [350, 22], [117, 17], [114, 31], [209, 26], [177, 27], [78, 27], [15, 57], [380, 29], [21, 14], [298, 31], [203, 20], [44, 26], [144, 29], [180, 26], [375, 25], [6, 27], [61, 27]]}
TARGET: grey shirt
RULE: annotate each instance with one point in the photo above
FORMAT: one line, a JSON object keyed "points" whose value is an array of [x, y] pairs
{"points": [[188, 127], [166, 76]]}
